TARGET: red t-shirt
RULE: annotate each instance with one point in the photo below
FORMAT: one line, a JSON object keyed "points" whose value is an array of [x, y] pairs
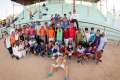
{"points": [[32, 31], [27, 31], [72, 33], [66, 34]]}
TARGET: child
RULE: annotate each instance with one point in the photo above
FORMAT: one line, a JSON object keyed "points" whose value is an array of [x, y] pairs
{"points": [[32, 42], [55, 51], [60, 64], [7, 44], [81, 54], [89, 52], [49, 47], [36, 49], [12, 39], [18, 51], [43, 47], [101, 46], [70, 50], [22, 49], [63, 48], [27, 46]]}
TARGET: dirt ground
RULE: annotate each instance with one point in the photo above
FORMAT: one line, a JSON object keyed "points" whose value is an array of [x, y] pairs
{"points": [[36, 68]]}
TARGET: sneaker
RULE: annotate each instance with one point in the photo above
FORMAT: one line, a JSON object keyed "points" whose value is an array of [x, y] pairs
{"points": [[17, 58], [78, 61], [100, 60], [69, 57], [50, 74], [66, 78], [12, 56]]}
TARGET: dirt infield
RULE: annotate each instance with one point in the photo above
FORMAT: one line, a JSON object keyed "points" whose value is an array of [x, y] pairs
{"points": [[36, 68]]}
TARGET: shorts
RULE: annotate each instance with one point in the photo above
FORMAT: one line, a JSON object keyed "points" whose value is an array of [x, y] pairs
{"points": [[43, 38], [66, 41], [51, 39], [58, 66]]}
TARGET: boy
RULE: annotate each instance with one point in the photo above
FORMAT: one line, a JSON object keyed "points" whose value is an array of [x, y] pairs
{"points": [[92, 36], [7, 44], [31, 43], [51, 34], [81, 54], [101, 46], [60, 64], [59, 35], [43, 49], [70, 50]]}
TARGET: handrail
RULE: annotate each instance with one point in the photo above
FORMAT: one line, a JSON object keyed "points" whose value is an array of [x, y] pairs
{"points": [[99, 25], [91, 23]]}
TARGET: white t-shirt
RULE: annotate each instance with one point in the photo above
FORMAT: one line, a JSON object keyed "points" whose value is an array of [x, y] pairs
{"points": [[103, 40], [87, 36], [16, 37], [8, 45], [16, 51], [75, 16], [81, 50], [32, 42]]}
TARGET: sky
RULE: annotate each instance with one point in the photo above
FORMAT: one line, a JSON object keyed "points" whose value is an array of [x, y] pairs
{"points": [[6, 7]]}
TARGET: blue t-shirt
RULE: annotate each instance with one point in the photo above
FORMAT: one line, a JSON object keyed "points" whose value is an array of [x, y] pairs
{"points": [[56, 18], [92, 37], [33, 24]]}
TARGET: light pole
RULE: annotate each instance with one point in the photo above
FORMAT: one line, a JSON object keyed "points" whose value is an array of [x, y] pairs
{"points": [[74, 10]]}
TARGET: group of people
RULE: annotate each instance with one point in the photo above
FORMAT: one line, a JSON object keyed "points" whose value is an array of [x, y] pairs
{"points": [[59, 38]]}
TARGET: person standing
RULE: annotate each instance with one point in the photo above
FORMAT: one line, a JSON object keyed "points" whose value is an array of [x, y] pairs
{"points": [[7, 43], [12, 39], [42, 33], [72, 35], [51, 34], [32, 32], [66, 36], [16, 35], [72, 32], [59, 35], [87, 35], [79, 36], [101, 46], [92, 36]]}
